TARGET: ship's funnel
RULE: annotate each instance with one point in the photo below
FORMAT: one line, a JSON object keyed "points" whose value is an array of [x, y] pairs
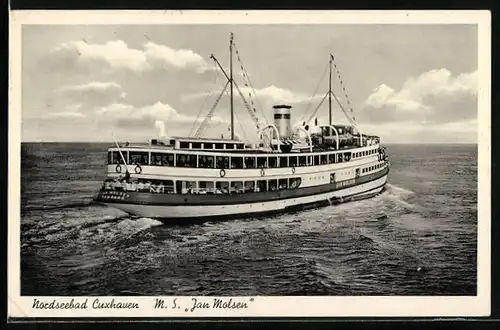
{"points": [[282, 120]]}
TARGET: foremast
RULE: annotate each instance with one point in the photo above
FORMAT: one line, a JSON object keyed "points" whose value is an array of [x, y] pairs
{"points": [[231, 83], [330, 93]]}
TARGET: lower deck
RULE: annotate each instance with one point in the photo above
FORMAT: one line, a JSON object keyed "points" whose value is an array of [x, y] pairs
{"points": [[235, 197], [187, 211]]}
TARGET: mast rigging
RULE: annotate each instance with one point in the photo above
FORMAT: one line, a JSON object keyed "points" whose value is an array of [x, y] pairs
{"points": [[248, 84], [349, 116], [207, 118], [314, 94], [193, 127], [230, 80]]}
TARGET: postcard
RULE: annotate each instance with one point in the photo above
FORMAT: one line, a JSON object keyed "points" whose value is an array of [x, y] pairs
{"points": [[190, 164]]}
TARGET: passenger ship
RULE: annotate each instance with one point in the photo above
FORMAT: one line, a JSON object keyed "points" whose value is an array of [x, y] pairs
{"points": [[291, 168]]}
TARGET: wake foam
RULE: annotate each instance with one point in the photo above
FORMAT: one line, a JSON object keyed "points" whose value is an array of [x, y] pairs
{"points": [[398, 191], [133, 226], [398, 196], [104, 220]]}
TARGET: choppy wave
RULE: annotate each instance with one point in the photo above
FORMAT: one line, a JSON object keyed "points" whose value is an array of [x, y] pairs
{"points": [[414, 238]]}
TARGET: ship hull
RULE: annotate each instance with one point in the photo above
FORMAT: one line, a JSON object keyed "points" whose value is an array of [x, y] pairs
{"points": [[189, 213]]}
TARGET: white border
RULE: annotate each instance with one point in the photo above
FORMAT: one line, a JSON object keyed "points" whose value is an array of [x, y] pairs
{"points": [[262, 306]]}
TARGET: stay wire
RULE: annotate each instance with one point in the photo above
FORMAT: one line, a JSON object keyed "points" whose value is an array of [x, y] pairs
{"points": [[209, 94], [314, 93], [317, 108]]}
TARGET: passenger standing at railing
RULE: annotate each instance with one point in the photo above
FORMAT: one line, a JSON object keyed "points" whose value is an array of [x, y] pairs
{"points": [[131, 186], [140, 186], [116, 185]]}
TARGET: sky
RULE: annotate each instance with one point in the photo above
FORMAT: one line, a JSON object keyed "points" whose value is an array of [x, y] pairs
{"points": [[405, 83]]}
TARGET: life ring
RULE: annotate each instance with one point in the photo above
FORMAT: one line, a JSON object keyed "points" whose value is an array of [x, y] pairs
{"points": [[293, 170], [138, 169], [262, 172], [118, 168], [222, 173]]}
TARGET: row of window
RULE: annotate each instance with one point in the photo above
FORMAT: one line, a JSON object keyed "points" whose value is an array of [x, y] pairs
{"points": [[365, 153], [211, 146], [233, 162], [203, 187], [372, 168]]}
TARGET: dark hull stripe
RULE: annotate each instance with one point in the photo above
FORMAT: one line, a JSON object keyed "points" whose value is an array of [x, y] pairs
{"points": [[146, 198], [291, 209]]}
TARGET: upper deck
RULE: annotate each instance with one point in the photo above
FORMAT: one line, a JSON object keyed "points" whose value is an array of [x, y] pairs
{"points": [[237, 146]]}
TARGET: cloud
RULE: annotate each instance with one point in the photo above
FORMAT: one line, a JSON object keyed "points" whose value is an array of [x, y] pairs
{"points": [[433, 97], [89, 95], [118, 55], [115, 53], [71, 111], [127, 115], [177, 58], [66, 114], [281, 95], [267, 95], [159, 111], [465, 131], [94, 87]]}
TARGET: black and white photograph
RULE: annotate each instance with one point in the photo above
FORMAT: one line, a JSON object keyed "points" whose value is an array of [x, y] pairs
{"points": [[235, 158]]}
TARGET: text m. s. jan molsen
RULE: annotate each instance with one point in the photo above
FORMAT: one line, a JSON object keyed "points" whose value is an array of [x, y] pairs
{"points": [[199, 303]]}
